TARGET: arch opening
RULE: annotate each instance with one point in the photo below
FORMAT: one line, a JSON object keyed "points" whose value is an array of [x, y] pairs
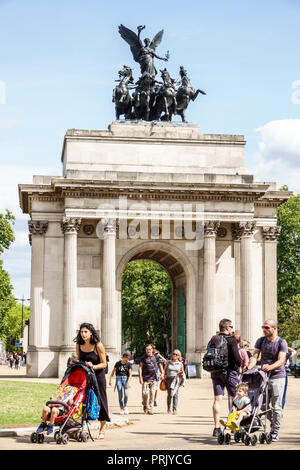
{"points": [[167, 295]]}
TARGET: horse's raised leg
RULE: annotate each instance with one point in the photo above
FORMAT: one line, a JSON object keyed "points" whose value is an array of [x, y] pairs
{"points": [[166, 109]]}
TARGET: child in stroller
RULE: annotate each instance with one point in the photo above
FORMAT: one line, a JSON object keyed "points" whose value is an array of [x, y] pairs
{"points": [[241, 408], [67, 409], [251, 418]]}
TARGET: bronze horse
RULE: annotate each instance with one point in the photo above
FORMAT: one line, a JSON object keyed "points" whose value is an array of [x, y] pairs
{"points": [[165, 99], [185, 93], [121, 95]]}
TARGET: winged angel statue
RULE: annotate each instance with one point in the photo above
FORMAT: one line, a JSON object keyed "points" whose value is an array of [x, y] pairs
{"points": [[151, 99], [143, 54]]}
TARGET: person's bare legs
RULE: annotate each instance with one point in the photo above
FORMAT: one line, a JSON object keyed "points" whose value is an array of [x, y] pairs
{"points": [[217, 410], [45, 413], [102, 429]]}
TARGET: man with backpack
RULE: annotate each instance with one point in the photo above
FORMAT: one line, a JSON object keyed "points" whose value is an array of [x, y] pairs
{"points": [[273, 350], [223, 360]]}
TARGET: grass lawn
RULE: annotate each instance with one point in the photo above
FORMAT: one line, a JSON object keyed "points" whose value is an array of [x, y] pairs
{"points": [[21, 403]]}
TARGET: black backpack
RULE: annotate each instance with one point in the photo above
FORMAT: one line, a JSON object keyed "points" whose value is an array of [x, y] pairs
{"points": [[216, 357]]}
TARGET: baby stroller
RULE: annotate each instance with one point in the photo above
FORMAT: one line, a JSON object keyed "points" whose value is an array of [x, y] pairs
{"points": [[257, 381], [73, 395]]}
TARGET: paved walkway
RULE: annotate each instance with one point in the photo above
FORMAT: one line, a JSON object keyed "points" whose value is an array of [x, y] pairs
{"points": [[190, 429]]}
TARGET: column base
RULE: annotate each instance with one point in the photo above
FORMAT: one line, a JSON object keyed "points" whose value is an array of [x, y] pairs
{"points": [[41, 362]]}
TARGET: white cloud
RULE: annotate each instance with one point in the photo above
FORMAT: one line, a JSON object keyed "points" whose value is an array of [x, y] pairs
{"points": [[278, 156]]}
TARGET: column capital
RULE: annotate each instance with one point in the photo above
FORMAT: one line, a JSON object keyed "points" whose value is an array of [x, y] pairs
{"points": [[37, 227], [242, 229], [271, 233], [211, 227], [70, 225], [109, 226]]}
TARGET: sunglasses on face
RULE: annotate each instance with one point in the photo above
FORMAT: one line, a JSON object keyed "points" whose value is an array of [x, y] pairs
{"points": [[266, 327]]}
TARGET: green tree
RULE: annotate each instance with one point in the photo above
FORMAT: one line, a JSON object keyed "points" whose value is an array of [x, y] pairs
{"points": [[13, 324], [6, 230], [146, 305], [289, 319], [288, 249], [7, 300], [288, 268]]}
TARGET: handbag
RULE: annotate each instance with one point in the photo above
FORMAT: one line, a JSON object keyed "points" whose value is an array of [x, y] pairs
{"points": [[163, 385]]}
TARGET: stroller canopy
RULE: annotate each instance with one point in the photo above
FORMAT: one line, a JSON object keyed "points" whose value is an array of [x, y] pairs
{"points": [[81, 376]]}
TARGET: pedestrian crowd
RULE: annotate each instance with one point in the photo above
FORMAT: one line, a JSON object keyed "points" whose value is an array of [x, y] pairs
{"points": [[156, 372], [13, 360]]}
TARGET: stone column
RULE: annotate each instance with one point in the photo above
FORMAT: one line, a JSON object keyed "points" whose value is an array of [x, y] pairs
{"points": [[70, 227], [109, 311], [270, 236], [37, 229], [244, 231], [209, 274], [237, 268]]}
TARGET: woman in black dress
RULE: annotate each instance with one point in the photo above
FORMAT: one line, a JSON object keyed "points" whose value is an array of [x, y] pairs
{"points": [[90, 350]]}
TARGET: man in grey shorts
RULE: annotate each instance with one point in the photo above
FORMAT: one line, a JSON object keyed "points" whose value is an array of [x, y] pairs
{"points": [[273, 355]]}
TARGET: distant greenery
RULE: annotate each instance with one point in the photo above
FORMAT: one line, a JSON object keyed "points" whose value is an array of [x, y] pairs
{"points": [[146, 306], [7, 300], [288, 269], [22, 402]]}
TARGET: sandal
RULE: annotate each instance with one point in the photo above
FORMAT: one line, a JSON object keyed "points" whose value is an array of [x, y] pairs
{"points": [[101, 435]]}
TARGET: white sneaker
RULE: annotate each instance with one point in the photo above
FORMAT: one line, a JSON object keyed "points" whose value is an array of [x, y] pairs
{"points": [[122, 412], [126, 410]]}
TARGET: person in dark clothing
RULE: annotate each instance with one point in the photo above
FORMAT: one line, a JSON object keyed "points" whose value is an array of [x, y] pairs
{"points": [[228, 378], [89, 349]]}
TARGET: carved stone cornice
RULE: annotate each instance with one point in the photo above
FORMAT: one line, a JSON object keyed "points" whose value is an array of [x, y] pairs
{"points": [[37, 227], [271, 233], [211, 228], [242, 229], [70, 224]]}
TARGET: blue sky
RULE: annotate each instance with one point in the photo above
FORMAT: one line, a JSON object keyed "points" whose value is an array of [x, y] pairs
{"points": [[59, 60]]}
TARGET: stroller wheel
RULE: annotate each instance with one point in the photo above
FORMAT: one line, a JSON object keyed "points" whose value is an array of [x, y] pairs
{"points": [[269, 438], [247, 440], [237, 436], [221, 438], [262, 438], [40, 438], [254, 440], [227, 438], [79, 436], [85, 436], [34, 437], [65, 438], [56, 434]]}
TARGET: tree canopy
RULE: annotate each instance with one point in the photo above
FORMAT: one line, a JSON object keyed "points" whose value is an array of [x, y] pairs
{"points": [[7, 300], [288, 268], [146, 305]]}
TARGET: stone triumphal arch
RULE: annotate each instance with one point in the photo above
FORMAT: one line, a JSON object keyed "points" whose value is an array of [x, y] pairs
{"points": [[157, 191]]}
